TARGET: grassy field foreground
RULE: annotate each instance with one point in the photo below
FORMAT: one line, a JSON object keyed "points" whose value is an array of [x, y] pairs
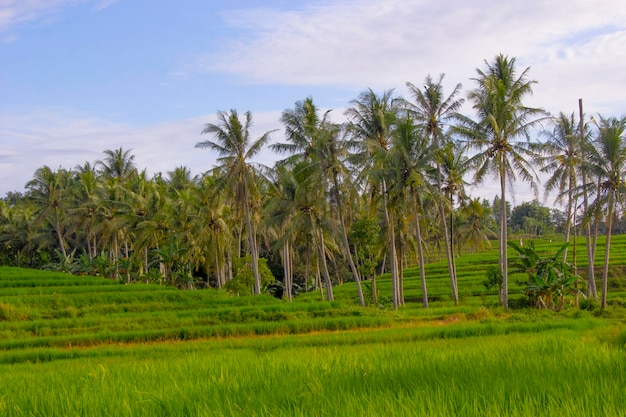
{"points": [[81, 346], [494, 368]]}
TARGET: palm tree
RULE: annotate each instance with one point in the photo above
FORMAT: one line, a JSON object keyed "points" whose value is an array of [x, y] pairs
{"points": [[312, 138], [235, 148], [586, 171], [563, 159], [280, 213], [503, 119], [413, 159], [475, 224], [453, 168], [611, 170], [85, 203], [371, 121], [118, 163], [213, 227], [432, 110], [47, 190]]}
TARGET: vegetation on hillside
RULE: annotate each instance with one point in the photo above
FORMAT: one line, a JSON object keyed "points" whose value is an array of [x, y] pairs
{"points": [[77, 345], [401, 163]]}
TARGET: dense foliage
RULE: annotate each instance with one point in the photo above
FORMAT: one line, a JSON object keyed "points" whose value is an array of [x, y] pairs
{"points": [[79, 345], [398, 165]]}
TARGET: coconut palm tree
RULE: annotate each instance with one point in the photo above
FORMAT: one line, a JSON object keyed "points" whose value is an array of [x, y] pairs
{"points": [[586, 171], [433, 110], [371, 121], [118, 163], [610, 163], [47, 190], [235, 148], [85, 203], [475, 224], [563, 159], [313, 139], [413, 159], [501, 135]]}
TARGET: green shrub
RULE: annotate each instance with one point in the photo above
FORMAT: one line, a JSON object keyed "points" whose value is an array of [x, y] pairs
{"points": [[588, 304]]}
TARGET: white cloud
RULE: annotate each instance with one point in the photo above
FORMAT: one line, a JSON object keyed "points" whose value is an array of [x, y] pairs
{"points": [[63, 138], [103, 4], [574, 47], [16, 12]]}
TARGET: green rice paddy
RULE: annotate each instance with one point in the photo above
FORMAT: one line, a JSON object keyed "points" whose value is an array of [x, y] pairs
{"points": [[84, 346]]}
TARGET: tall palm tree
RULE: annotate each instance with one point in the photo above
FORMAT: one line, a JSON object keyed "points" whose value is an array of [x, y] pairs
{"points": [[475, 224], [313, 139], [85, 202], [235, 148], [611, 169], [413, 163], [280, 213], [47, 190], [432, 111], [563, 159], [453, 169], [118, 163], [371, 122], [503, 120], [117, 169], [586, 171], [214, 228]]}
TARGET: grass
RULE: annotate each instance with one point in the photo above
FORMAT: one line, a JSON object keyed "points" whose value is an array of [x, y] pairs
{"points": [[93, 347], [540, 372]]}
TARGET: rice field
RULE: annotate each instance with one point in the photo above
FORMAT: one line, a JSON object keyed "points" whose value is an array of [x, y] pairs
{"points": [[84, 346]]}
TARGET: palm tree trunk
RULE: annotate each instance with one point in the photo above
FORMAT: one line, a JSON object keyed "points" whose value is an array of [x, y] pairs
{"points": [[322, 254], [420, 252], [503, 239], [307, 266], [392, 247], [447, 238], [252, 244], [374, 289], [126, 253], [607, 250], [57, 227], [287, 269], [401, 267], [568, 222], [346, 244], [591, 280], [115, 256]]}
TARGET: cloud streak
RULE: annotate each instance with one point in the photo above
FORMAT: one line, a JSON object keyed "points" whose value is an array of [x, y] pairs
{"points": [[17, 12], [383, 45], [62, 138]]}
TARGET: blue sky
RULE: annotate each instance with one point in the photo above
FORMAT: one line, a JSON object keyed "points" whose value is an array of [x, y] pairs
{"points": [[81, 76]]}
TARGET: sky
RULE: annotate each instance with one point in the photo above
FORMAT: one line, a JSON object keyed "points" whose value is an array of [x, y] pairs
{"points": [[78, 77]]}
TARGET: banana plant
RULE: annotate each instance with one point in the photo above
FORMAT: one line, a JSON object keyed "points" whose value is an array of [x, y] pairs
{"points": [[551, 280]]}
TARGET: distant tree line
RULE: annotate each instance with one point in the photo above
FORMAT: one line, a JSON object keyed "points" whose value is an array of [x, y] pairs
{"points": [[384, 190]]}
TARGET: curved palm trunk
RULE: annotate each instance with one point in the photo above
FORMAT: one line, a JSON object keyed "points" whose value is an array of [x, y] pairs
{"points": [[346, 245], [607, 250], [57, 227]]}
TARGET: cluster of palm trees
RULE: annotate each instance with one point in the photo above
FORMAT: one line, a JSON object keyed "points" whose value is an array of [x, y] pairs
{"points": [[397, 165]]}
